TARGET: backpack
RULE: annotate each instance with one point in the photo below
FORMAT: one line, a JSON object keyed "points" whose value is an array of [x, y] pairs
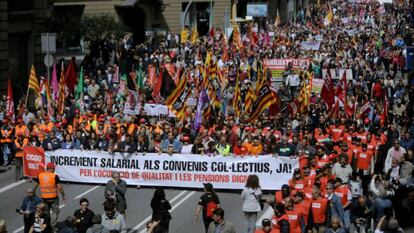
{"points": [[211, 206]]}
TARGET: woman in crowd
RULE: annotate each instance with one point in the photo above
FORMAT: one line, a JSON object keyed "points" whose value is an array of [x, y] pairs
{"points": [[252, 202]]}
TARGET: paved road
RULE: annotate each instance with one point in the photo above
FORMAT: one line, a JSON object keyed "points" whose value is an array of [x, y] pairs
{"points": [[138, 213]]}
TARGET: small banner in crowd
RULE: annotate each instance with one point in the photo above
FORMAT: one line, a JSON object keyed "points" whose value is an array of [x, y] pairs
{"points": [[33, 161], [132, 104], [278, 66], [178, 170], [310, 45], [337, 73]]}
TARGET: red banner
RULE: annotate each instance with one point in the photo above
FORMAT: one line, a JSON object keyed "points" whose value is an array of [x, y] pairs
{"points": [[33, 161]]}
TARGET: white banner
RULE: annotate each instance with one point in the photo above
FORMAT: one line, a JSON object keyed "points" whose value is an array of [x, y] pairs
{"points": [[132, 105], [178, 170], [310, 45], [337, 73]]}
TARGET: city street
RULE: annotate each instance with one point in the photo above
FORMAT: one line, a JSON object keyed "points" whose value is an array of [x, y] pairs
{"points": [[183, 204]]}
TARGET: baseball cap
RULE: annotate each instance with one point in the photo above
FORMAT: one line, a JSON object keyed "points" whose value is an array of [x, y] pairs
{"points": [[50, 165], [266, 222], [208, 186], [285, 187]]}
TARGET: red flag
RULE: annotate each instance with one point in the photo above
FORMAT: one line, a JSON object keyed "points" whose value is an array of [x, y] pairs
{"points": [[10, 103], [365, 109], [293, 107], [157, 87], [151, 76], [335, 110], [384, 114], [70, 77], [275, 107], [211, 32], [341, 89], [327, 92]]}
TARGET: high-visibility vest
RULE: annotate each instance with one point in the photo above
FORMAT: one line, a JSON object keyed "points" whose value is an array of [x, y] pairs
{"points": [[47, 183], [7, 135], [364, 159], [318, 208], [22, 130], [223, 150], [294, 217], [276, 220], [342, 192], [304, 208], [19, 146], [298, 185]]}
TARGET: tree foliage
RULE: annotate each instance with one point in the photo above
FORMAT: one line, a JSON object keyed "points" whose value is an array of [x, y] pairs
{"points": [[100, 27]]}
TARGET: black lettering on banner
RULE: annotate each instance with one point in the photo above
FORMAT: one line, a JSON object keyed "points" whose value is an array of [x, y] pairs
{"points": [[73, 161], [119, 163], [151, 165], [284, 168], [191, 166], [250, 167]]}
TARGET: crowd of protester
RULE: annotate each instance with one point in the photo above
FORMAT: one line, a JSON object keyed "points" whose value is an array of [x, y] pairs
{"points": [[353, 173]]}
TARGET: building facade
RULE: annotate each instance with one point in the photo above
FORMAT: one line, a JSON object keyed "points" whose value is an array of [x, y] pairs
{"points": [[21, 25], [141, 16]]}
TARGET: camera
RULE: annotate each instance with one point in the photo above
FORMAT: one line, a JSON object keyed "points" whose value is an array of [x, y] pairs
{"points": [[17, 210]]}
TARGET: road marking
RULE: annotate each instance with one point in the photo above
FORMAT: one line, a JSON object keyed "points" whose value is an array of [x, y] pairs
{"points": [[268, 213], [172, 209], [87, 191], [178, 196], [22, 228], [18, 230], [12, 185]]}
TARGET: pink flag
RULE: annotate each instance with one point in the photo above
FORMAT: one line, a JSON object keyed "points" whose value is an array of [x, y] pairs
{"points": [[10, 102], [55, 85]]}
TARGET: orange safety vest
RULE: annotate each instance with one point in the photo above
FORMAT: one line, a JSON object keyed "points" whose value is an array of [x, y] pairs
{"points": [[22, 130], [318, 208], [299, 185], [364, 159], [279, 197], [19, 152], [7, 135], [48, 186], [295, 216], [256, 150], [336, 132], [342, 192], [276, 220], [304, 208]]}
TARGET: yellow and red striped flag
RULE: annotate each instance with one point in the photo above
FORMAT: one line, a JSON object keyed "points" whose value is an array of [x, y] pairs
{"points": [[33, 82]]}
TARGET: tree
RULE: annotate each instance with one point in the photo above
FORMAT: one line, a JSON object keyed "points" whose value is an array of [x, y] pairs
{"points": [[99, 27]]}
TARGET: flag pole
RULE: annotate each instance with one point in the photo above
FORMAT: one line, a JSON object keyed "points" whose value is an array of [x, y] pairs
{"points": [[27, 96]]}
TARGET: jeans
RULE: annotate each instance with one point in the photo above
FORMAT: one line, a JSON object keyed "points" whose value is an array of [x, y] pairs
{"points": [[6, 153], [347, 220], [250, 224]]}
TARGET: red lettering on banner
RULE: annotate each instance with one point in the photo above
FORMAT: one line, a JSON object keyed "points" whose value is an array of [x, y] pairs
{"points": [[85, 172], [239, 179]]}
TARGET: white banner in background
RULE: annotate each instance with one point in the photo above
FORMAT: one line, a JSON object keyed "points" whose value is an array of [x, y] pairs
{"points": [[337, 73], [155, 109], [310, 45], [179, 170]]}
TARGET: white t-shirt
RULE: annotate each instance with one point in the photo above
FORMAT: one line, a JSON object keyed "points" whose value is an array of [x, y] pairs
{"points": [[186, 149]]}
